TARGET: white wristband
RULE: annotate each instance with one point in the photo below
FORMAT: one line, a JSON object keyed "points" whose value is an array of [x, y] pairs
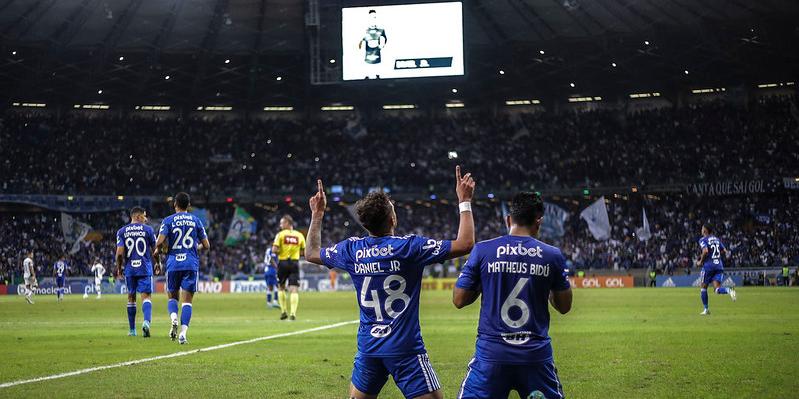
{"points": [[465, 207]]}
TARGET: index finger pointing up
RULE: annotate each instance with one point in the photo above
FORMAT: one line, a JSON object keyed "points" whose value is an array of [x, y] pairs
{"points": [[458, 172], [319, 185]]}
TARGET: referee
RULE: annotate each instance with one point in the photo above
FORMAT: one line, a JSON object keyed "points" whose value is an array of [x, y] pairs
{"points": [[288, 246]]}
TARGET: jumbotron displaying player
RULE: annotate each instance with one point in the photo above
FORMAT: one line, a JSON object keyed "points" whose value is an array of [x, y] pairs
{"points": [[134, 253], [373, 42], [60, 273], [517, 276], [712, 265], [387, 273], [288, 246], [184, 235]]}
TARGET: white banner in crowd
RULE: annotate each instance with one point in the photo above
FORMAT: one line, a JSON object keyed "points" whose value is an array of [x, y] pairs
{"points": [[644, 233], [596, 215], [554, 218], [74, 231]]}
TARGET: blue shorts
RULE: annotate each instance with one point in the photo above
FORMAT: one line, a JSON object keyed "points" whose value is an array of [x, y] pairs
{"points": [[60, 281], [413, 374], [271, 276], [185, 279], [141, 284], [486, 380], [712, 274]]}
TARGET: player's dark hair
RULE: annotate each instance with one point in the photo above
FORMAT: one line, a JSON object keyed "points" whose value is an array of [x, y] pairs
{"points": [[526, 208], [372, 12], [136, 210], [182, 200], [708, 227], [289, 219], [374, 212]]}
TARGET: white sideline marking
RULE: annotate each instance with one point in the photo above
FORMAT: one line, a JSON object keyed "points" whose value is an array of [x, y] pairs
{"points": [[171, 355]]}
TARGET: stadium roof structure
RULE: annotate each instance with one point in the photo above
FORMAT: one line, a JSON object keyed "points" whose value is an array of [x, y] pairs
{"points": [[252, 53]]}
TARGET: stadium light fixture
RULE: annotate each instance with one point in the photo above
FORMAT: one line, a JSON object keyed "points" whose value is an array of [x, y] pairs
{"points": [[91, 106], [399, 106], [646, 42], [279, 78], [455, 105], [100, 91], [227, 61], [685, 71], [215, 108], [166, 77], [120, 197], [613, 64], [501, 72], [338, 108], [332, 61], [709, 90], [152, 107], [121, 58], [584, 99], [70, 198], [454, 91], [772, 85], [14, 52], [452, 155], [541, 52], [280, 108], [28, 105], [644, 95], [572, 85], [522, 102]]}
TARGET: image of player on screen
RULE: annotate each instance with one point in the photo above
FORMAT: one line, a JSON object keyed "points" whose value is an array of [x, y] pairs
{"points": [[373, 42]]}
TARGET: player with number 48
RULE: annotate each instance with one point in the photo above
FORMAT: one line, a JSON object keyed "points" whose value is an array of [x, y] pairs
{"points": [[387, 273]]}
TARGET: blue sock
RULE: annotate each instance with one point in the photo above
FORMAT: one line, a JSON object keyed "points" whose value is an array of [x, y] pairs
{"points": [[172, 307], [185, 314], [704, 297], [147, 309], [722, 290], [132, 315], [268, 297]]}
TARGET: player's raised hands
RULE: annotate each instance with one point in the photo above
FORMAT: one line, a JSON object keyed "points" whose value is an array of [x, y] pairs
{"points": [[464, 185], [319, 201]]}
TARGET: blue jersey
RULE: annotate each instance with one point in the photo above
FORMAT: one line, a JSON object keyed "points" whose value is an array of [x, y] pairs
{"points": [[60, 268], [387, 274], [514, 274], [714, 247], [184, 231], [138, 240]]}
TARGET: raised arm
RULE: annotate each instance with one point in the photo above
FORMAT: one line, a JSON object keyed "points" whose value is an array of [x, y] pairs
{"points": [[313, 243], [464, 187]]}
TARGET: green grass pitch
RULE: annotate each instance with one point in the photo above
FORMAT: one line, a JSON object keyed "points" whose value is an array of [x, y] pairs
{"points": [[624, 343]]}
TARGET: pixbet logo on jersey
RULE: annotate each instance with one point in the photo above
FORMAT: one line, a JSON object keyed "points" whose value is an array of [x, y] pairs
{"points": [[518, 250], [374, 251]]}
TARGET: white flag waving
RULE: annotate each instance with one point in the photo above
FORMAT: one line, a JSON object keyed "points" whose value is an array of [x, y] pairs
{"points": [[554, 218], [644, 233], [596, 215], [74, 232]]}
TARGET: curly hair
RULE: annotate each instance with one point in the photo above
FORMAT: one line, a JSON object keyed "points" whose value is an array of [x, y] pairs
{"points": [[526, 208], [374, 212]]}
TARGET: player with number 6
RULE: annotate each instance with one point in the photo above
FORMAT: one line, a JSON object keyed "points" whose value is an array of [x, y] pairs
{"points": [[387, 273]]}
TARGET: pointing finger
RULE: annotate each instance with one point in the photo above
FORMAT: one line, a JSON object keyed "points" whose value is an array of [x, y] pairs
{"points": [[458, 172], [319, 185]]}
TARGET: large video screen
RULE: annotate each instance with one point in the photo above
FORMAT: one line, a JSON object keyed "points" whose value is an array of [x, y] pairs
{"points": [[402, 41]]}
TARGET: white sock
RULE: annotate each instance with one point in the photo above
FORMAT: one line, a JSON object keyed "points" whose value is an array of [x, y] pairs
{"points": [[183, 330], [174, 317]]}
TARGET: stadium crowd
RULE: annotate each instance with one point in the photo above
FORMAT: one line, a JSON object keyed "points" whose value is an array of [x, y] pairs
{"points": [[132, 155], [759, 231]]}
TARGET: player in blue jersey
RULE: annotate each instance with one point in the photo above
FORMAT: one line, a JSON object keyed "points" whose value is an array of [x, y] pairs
{"points": [[518, 277], [184, 235], [60, 274], [712, 265], [387, 273], [270, 278], [135, 250]]}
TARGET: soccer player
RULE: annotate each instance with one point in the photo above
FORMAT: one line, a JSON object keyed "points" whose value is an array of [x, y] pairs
{"points": [[135, 247], [288, 245], [387, 273], [60, 273], [712, 265], [517, 275], [270, 278], [99, 271], [29, 273], [373, 42], [184, 235]]}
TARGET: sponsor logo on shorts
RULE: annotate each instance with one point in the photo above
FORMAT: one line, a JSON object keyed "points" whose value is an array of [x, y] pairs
{"points": [[380, 331], [135, 263], [180, 257]]}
